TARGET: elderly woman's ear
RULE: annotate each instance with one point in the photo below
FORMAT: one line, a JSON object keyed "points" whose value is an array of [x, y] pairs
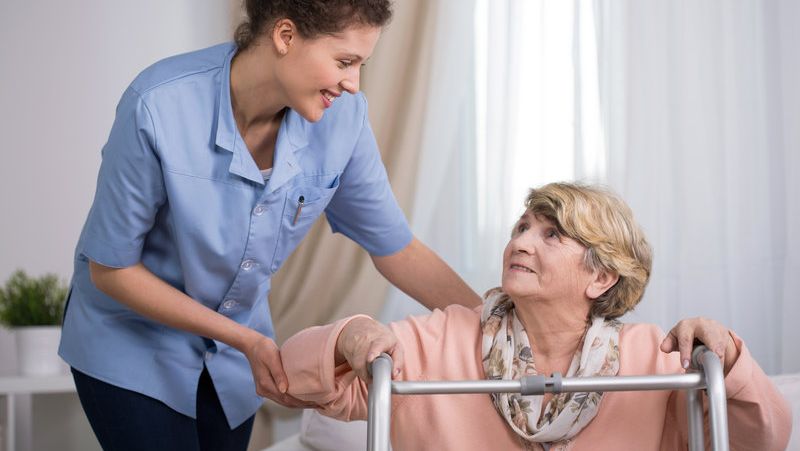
{"points": [[602, 282]]}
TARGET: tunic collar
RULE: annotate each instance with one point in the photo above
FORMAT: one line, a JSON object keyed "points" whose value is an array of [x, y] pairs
{"points": [[292, 136]]}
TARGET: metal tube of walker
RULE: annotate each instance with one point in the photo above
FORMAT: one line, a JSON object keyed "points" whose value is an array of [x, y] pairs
{"points": [[380, 404], [543, 384], [717, 398], [694, 414], [712, 379]]}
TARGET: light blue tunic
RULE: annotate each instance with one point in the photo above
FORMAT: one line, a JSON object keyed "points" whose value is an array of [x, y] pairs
{"points": [[179, 192]]}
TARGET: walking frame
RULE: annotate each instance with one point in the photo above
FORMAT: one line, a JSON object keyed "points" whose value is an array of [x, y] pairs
{"points": [[708, 377]]}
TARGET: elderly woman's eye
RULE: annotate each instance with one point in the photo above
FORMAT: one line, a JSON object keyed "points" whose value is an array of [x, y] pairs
{"points": [[553, 233]]}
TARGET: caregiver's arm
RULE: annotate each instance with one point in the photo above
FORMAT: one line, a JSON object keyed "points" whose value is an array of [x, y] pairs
{"points": [[421, 274], [148, 295]]}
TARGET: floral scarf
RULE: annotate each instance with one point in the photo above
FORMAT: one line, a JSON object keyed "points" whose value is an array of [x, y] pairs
{"points": [[507, 355]]}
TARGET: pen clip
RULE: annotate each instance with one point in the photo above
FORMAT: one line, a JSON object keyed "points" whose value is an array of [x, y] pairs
{"points": [[300, 203]]}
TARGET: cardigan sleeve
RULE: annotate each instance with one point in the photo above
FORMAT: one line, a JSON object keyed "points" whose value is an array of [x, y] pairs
{"points": [[308, 359], [758, 416]]}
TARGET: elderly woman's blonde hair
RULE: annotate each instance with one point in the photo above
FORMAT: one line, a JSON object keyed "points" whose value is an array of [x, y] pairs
{"points": [[604, 224]]}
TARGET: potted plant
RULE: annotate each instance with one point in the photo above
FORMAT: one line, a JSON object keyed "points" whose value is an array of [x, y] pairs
{"points": [[33, 308]]}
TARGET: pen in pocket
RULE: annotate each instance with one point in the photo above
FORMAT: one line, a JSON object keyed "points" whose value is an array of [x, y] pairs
{"points": [[300, 203]]}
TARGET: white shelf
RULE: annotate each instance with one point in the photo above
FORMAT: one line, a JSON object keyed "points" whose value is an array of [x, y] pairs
{"points": [[12, 386], [61, 383]]}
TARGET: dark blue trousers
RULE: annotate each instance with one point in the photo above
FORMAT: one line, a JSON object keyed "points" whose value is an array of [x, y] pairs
{"points": [[124, 420]]}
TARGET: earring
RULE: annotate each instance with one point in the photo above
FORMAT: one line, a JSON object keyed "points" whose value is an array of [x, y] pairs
{"points": [[282, 51]]}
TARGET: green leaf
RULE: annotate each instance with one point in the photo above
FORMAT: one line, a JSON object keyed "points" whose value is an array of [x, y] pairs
{"points": [[32, 301]]}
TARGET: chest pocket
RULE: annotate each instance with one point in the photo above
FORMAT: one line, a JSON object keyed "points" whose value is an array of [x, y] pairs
{"points": [[304, 203]]}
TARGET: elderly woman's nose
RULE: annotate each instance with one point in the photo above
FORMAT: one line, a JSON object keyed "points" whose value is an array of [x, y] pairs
{"points": [[522, 243]]}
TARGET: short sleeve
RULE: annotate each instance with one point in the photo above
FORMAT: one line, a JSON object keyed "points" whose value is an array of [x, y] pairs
{"points": [[130, 188], [364, 207]]}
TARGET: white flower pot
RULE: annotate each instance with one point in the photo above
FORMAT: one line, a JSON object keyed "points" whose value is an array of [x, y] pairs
{"points": [[37, 351]]}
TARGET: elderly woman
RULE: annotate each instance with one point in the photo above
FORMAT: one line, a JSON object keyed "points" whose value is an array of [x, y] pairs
{"points": [[576, 261]]}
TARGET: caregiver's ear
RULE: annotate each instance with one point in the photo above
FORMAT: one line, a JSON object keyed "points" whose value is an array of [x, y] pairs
{"points": [[284, 34], [602, 282]]}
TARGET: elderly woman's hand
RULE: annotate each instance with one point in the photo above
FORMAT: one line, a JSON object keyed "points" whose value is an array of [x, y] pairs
{"points": [[361, 341], [714, 335]]}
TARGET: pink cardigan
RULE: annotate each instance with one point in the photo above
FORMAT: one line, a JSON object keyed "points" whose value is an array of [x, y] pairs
{"points": [[445, 345]]}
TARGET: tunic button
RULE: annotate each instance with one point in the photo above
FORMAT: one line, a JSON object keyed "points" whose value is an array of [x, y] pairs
{"points": [[208, 355], [259, 210], [247, 265], [229, 304]]}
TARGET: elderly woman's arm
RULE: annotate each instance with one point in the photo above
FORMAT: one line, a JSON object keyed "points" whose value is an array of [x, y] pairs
{"points": [[310, 363], [320, 361], [758, 416], [327, 364]]}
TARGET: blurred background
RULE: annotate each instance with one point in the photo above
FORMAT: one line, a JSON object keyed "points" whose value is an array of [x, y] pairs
{"points": [[689, 110]]}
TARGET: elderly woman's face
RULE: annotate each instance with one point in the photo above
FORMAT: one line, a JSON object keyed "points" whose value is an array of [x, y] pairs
{"points": [[540, 263]]}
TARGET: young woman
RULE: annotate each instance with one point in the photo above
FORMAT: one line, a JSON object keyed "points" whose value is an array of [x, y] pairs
{"points": [[217, 165]]}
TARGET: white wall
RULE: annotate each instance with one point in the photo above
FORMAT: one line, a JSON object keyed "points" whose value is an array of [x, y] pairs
{"points": [[63, 67]]}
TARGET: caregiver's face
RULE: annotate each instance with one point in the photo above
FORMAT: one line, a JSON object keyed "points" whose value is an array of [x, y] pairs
{"points": [[539, 263], [316, 71]]}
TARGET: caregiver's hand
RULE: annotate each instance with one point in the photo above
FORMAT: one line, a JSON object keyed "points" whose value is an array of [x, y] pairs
{"points": [[714, 335], [361, 341], [271, 381]]}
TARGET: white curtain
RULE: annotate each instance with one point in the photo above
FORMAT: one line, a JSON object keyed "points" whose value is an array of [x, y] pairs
{"points": [[511, 109], [700, 108], [524, 116], [442, 209], [512, 96], [536, 117], [689, 110]]}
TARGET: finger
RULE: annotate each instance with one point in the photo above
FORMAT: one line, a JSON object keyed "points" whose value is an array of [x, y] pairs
{"points": [[265, 386], [712, 335], [275, 366], [377, 347], [359, 364], [399, 359], [288, 401], [395, 351], [669, 343], [268, 389], [362, 371], [389, 346], [291, 401], [374, 350], [685, 338]]}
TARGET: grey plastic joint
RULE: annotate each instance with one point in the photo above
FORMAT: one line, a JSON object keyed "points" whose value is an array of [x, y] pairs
{"points": [[556, 382], [697, 356], [532, 385]]}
